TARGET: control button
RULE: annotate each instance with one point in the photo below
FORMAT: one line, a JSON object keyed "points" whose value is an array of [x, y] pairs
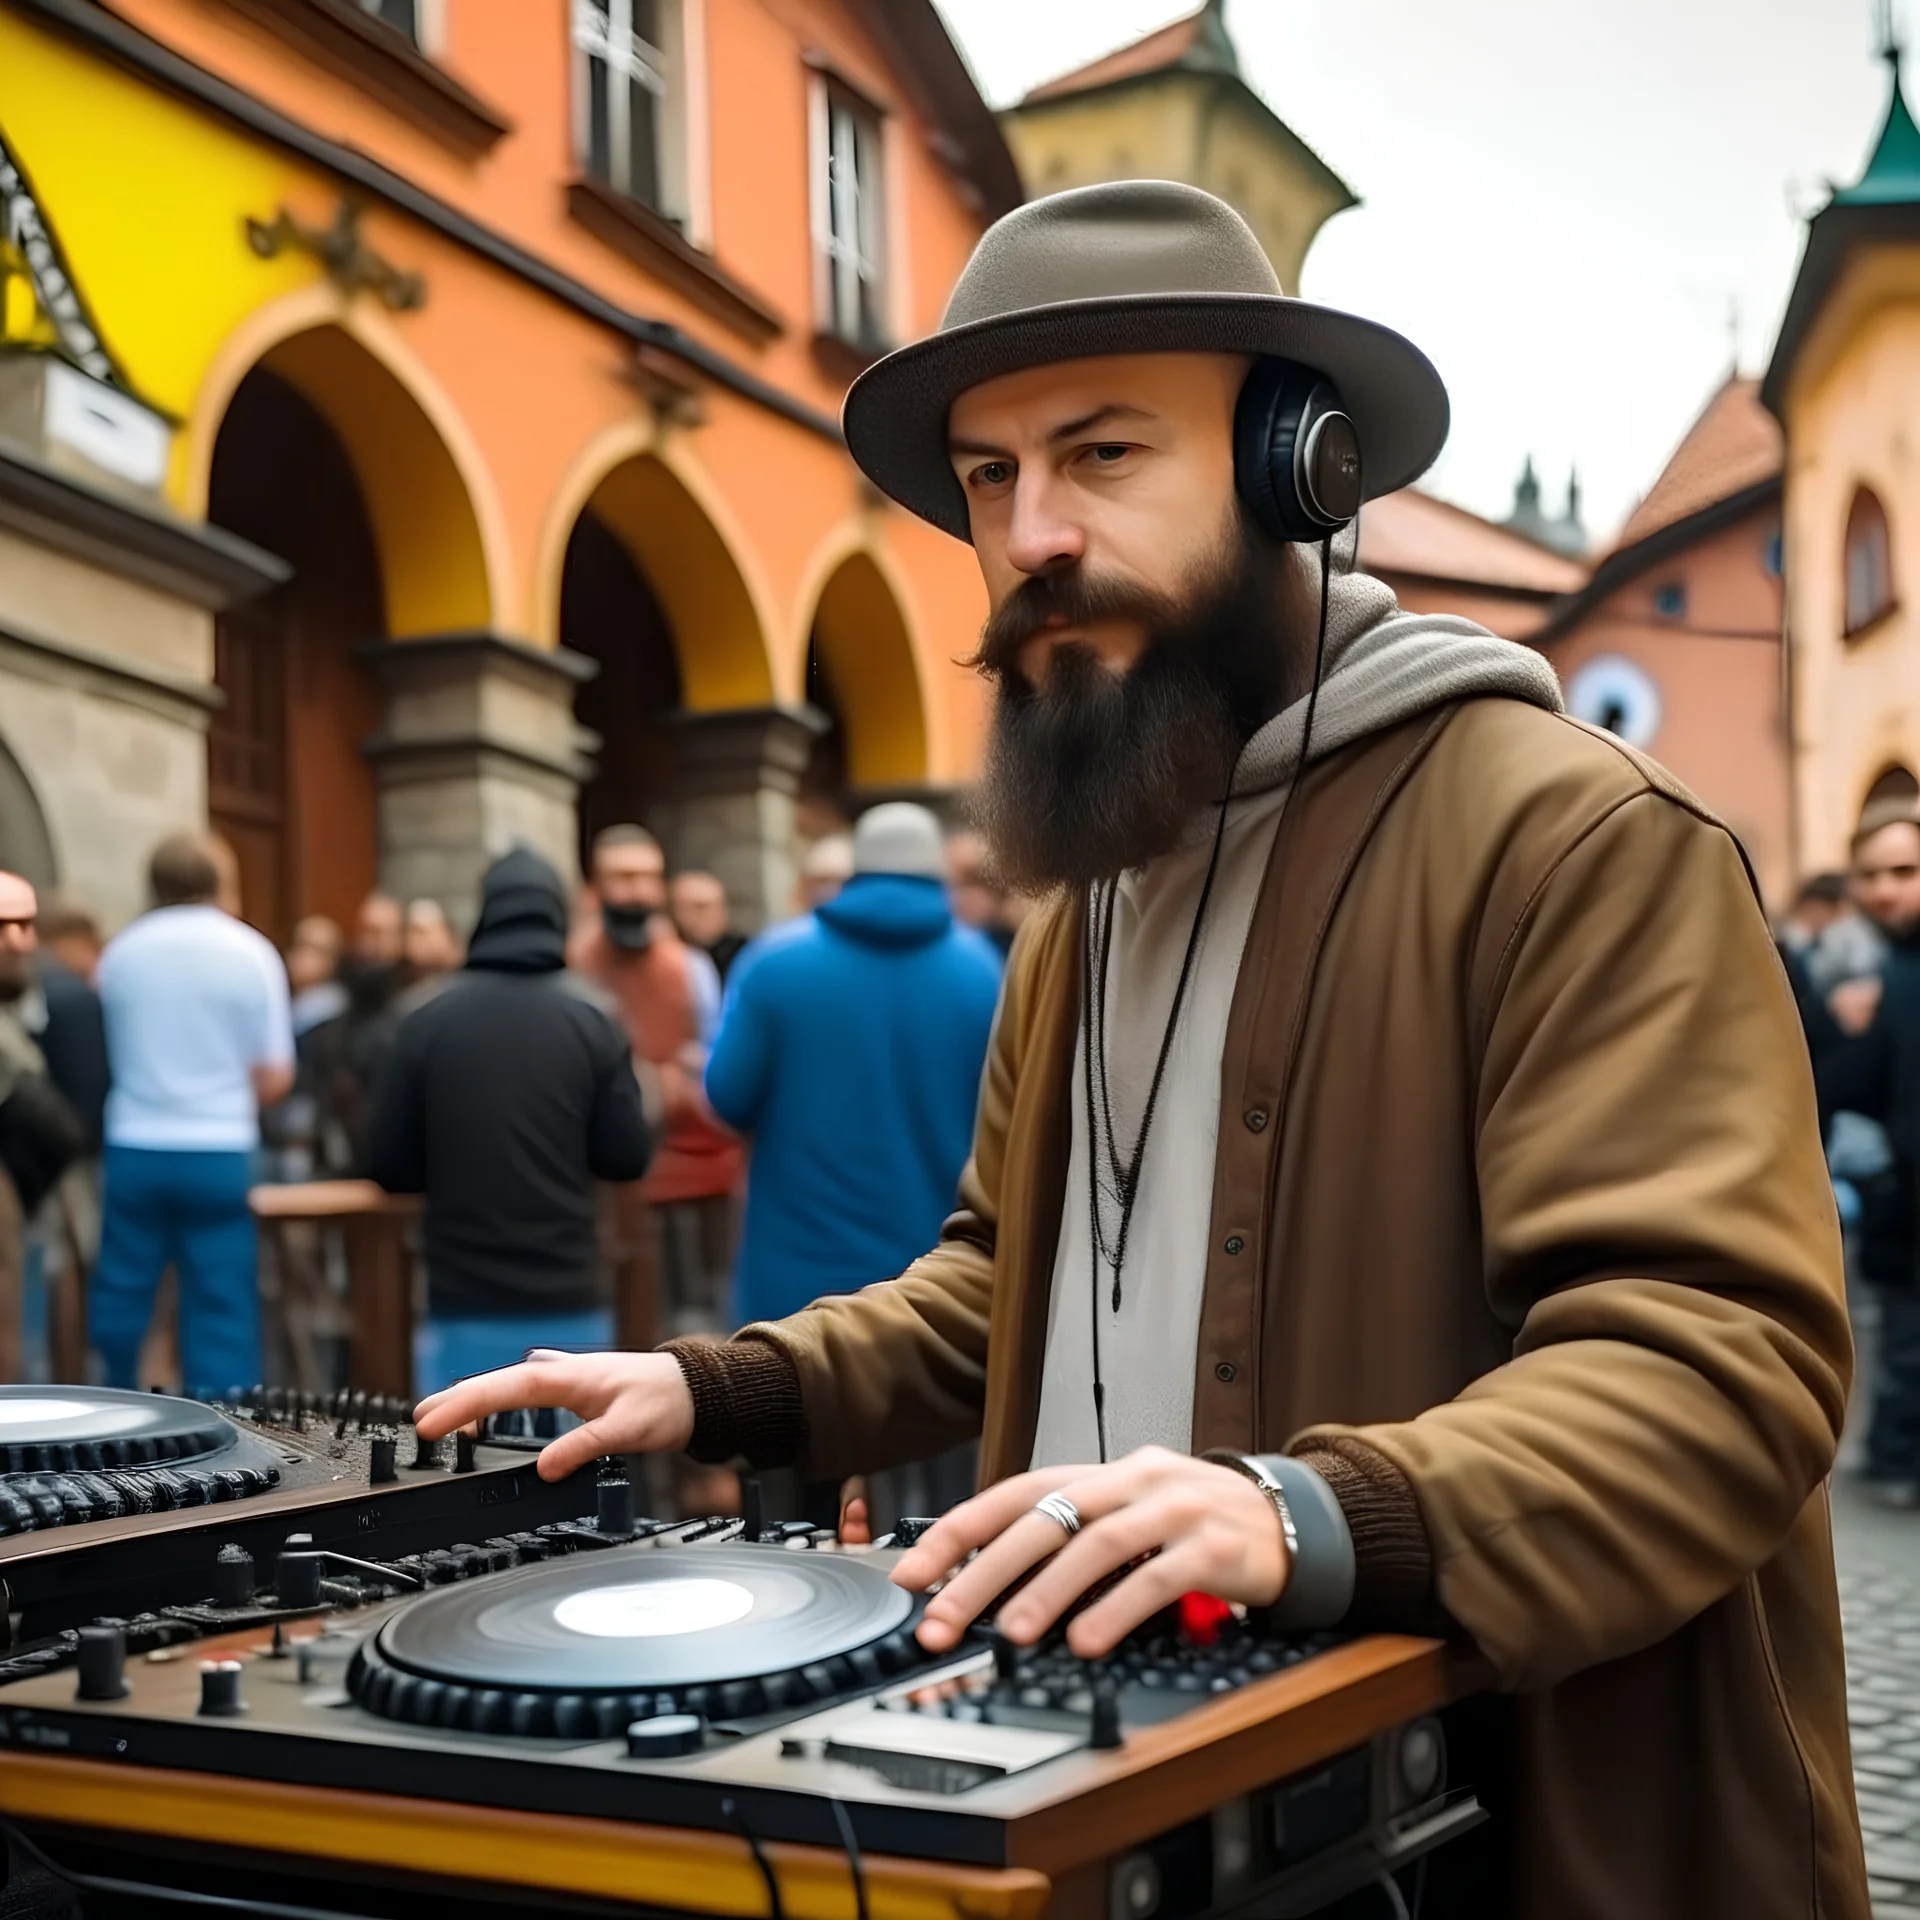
{"points": [[463, 1460], [1256, 1118], [1226, 1373], [382, 1468], [426, 1453], [613, 1502], [1235, 1244], [1103, 1720], [663, 1736], [102, 1656], [220, 1688], [232, 1577], [296, 1580]]}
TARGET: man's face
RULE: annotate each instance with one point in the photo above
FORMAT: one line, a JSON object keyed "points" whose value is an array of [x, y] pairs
{"points": [[976, 900], [631, 876], [379, 931], [1117, 469], [18, 906], [427, 941], [699, 907], [1886, 877], [1142, 628]]}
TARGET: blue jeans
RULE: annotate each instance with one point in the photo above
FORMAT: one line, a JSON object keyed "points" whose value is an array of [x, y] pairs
{"points": [[449, 1347], [189, 1208]]}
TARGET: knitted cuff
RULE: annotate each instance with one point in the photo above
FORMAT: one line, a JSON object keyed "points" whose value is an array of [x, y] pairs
{"points": [[746, 1400], [1393, 1560]]}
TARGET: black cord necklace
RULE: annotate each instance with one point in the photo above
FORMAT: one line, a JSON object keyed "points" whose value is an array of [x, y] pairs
{"points": [[1106, 1167]]}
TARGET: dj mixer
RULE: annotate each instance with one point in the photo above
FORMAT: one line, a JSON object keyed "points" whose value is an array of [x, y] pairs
{"points": [[377, 1670]]}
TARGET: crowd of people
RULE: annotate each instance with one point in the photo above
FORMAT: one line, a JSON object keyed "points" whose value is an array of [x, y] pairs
{"points": [[622, 1115]]}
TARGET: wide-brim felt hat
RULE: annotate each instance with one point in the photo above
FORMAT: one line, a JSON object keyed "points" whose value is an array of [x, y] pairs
{"points": [[1136, 266]]}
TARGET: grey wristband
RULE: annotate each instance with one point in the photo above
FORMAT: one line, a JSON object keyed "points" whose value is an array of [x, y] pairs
{"points": [[1320, 1588]]}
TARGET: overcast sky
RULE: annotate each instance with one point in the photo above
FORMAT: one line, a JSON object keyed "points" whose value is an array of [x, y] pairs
{"points": [[1560, 198]]}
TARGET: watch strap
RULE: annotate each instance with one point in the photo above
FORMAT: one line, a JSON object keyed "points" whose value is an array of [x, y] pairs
{"points": [[1319, 1588]]}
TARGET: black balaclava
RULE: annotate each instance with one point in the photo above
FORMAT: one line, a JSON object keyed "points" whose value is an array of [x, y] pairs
{"points": [[523, 917]]}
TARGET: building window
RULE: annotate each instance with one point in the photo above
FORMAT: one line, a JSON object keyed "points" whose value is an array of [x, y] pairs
{"points": [[849, 219], [1869, 561], [403, 16], [1670, 600], [630, 99], [1776, 556]]}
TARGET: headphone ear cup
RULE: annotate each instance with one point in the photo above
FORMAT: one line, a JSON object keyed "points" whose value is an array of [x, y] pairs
{"points": [[1274, 422]]}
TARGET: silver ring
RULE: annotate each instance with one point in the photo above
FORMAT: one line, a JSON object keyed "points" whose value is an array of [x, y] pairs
{"points": [[1057, 1507]]}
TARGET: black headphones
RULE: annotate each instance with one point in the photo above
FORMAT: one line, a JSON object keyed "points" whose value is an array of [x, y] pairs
{"points": [[1296, 454]]}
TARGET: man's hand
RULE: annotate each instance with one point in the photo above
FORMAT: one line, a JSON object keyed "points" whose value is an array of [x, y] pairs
{"points": [[1853, 1003], [627, 1403], [1209, 1530]]}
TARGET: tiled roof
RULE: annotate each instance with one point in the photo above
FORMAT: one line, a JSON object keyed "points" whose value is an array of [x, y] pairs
{"points": [[1412, 532], [1164, 47], [1733, 445]]}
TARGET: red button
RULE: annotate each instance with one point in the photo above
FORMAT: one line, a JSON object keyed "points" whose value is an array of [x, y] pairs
{"points": [[1201, 1615]]}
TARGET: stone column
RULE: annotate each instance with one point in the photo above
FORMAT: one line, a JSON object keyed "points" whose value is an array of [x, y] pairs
{"points": [[737, 777], [480, 752]]}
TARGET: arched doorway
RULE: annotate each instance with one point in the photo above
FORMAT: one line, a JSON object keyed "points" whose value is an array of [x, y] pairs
{"points": [[609, 613], [650, 591], [26, 846], [288, 784], [862, 675]]}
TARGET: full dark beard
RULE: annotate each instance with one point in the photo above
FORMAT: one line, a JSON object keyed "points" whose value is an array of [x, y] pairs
{"points": [[1099, 772]]}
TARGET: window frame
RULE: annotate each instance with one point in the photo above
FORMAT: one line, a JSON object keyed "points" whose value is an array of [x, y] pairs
{"points": [[833, 103], [1868, 531], [669, 71]]}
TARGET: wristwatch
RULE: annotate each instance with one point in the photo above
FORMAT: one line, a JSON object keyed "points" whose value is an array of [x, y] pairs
{"points": [[1319, 1587]]}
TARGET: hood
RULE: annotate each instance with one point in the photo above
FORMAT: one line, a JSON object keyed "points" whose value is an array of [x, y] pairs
{"points": [[1383, 666], [889, 910], [523, 917]]}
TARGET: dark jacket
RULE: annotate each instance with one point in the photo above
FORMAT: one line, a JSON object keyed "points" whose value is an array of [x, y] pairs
{"points": [[850, 1048], [503, 1100], [1877, 1073], [74, 1045]]}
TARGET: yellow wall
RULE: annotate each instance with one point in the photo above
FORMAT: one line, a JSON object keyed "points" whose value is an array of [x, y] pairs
{"points": [[1849, 409]]}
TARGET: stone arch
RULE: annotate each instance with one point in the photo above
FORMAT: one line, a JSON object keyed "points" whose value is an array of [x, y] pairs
{"points": [[1895, 782], [26, 842], [437, 524], [694, 561], [864, 671]]}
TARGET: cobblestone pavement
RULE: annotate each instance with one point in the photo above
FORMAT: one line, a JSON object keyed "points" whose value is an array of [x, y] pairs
{"points": [[1882, 1615]]}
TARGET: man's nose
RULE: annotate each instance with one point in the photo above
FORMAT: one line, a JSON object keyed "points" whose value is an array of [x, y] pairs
{"points": [[1041, 537]]}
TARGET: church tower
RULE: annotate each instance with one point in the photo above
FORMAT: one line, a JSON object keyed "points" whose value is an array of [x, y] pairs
{"points": [[1845, 385], [1174, 106]]}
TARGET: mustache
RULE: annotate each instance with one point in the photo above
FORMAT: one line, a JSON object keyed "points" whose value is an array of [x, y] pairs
{"points": [[1072, 596]]}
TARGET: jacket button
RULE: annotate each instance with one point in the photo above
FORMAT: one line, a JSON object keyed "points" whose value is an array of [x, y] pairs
{"points": [[1235, 1244], [1226, 1373], [1256, 1119]]}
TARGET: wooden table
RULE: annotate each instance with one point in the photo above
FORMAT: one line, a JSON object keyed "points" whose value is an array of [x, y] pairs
{"points": [[379, 1268]]}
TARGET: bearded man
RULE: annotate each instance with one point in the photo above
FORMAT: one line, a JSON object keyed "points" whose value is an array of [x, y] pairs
{"points": [[1421, 1141]]}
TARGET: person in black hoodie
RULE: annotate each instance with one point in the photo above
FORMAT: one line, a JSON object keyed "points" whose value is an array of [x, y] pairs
{"points": [[503, 1100]]}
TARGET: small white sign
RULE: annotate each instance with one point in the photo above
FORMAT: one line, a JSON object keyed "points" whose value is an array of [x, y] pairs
{"points": [[104, 425]]}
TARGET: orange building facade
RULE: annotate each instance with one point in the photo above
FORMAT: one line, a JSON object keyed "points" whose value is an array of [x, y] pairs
{"points": [[417, 432]]}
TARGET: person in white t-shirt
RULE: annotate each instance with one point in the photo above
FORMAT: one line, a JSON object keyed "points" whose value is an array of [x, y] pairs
{"points": [[199, 1038]]}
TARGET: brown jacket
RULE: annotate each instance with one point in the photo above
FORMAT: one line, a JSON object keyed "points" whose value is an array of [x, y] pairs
{"points": [[1538, 1261]]}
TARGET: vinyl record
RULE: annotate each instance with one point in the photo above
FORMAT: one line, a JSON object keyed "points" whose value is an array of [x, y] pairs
{"points": [[68, 1429], [582, 1645]]}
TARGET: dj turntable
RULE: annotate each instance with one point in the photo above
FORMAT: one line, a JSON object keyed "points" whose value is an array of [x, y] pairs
{"points": [[718, 1717], [114, 1502]]}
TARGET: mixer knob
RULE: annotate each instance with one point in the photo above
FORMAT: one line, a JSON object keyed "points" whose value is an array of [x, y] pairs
{"points": [[1103, 1729], [220, 1689], [232, 1577], [463, 1460], [614, 1500], [296, 1580], [426, 1453], [381, 1467], [664, 1735], [103, 1664]]}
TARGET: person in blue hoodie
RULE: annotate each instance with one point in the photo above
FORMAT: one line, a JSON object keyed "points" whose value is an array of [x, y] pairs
{"points": [[850, 1048]]}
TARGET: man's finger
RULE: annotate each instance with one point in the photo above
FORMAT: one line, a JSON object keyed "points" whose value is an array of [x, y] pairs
{"points": [[572, 1451], [972, 1524], [1160, 1582], [1103, 1548], [530, 1383]]}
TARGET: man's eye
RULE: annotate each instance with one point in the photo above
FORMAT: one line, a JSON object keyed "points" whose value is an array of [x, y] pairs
{"points": [[1107, 455], [993, 473]]}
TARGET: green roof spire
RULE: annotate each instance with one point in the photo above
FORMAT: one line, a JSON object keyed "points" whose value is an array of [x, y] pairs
{"points": [[1892, 177]]}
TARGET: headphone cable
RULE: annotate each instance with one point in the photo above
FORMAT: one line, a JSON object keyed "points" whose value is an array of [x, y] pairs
{"points": [[855, 1866], [730, 1808]]}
